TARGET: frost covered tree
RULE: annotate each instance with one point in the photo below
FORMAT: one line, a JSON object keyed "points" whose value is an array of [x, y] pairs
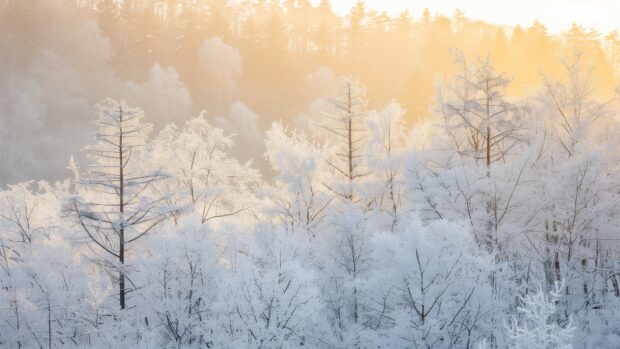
{"points": [[114, 208], [301, 200], [572, 104], [481, 122], [182, 274], [537, 328], [344, 126], [577, 180], [544, 211], [429, 284], [385, 158], [368, 235], [201, 176], [462, 167], [20, 227], [272, 300], [38, 273]]}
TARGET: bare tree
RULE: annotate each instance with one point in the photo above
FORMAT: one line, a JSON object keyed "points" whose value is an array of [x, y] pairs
{"points": [[346, 126], [578, 119], [115, 209], [479, 108], [385, 158], [573, 104], [485, 126], [347, 132], [17, 207]]}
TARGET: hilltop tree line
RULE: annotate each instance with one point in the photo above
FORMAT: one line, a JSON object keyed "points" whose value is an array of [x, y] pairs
{"points": [[282, 42]]}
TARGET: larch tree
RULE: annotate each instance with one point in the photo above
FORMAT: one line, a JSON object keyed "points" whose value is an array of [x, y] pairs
{"points": [[483, 125], [478, 107], [345, 127], [347, 251], [385, 156], [580, 179], [114, 207]]}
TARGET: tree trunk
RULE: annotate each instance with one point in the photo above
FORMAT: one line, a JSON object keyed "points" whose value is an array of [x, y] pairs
{"points": [[350, 140], [49, 324], [614, 283], [488, 146], [121, 204]]}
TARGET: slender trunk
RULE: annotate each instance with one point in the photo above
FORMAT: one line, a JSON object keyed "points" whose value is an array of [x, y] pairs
{"points": [[394, 206], [121, 204], [350, 139], [488, 112], [49, 324], [488, 146], [190, 298], [19, 342], [490, 206], [614, 283]]}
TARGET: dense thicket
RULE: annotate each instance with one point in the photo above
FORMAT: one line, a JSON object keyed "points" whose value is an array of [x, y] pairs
{"points": [[491, 225]]}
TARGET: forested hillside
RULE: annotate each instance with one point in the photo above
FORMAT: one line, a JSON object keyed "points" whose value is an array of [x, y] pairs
{"points": [[490, 222], [247, 63]]}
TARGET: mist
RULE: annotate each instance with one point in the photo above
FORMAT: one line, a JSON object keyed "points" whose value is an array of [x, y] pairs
{"points": [[54, 73], [59, 59], [292, 174]]}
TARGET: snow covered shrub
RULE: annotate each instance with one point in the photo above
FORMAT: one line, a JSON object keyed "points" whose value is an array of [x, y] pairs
{"points": [[429, 283], [538, 328]]}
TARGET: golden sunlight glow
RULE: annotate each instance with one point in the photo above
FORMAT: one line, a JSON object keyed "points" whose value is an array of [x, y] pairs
{"points": [[252, 62], [310, 174], [557, 15]]}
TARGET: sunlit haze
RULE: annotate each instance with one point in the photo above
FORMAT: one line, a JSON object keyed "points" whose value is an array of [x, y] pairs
{"points": [[557, 15], [309, 174], [249, 63]]}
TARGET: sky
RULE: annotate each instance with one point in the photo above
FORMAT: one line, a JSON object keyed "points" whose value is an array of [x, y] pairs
{"points": [[557, 15]]}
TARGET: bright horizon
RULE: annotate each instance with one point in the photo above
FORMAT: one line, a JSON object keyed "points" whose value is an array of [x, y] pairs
{"points": [[556, 15]]}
